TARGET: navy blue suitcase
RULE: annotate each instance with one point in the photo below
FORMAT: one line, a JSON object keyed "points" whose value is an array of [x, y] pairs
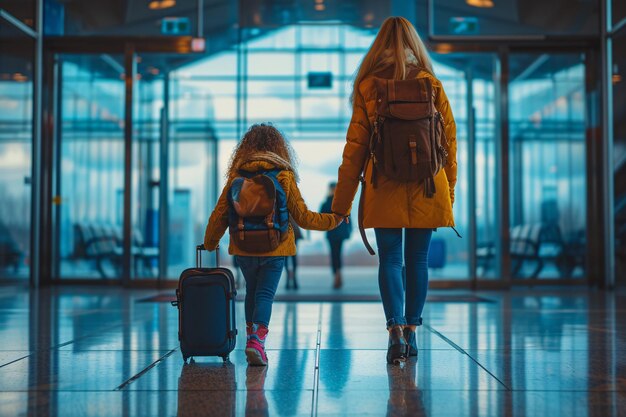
{"points": [[205, 298]]}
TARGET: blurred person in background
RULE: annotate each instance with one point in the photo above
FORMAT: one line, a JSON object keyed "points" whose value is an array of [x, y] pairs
{"points": [[336, 237], [292, 280]]}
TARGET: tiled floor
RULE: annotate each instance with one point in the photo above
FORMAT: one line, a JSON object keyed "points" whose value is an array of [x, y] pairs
{"points": [[97, 352]]}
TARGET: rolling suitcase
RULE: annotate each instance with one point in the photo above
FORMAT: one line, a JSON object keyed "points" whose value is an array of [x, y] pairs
{"points": [[206, 310]]}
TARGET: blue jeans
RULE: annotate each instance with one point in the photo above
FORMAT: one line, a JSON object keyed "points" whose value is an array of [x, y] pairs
{"points": [[398, 309], [262, 274]]}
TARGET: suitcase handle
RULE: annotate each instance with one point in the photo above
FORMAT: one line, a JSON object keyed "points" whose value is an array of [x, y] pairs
{"points": [[199, 250]]}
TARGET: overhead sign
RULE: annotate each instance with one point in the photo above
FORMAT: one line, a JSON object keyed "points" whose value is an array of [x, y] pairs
{"points": [[320, 79], [464, 25], [177, 26]]}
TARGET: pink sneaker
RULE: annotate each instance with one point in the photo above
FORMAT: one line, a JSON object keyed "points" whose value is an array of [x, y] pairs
{"points": [[255, 347]]}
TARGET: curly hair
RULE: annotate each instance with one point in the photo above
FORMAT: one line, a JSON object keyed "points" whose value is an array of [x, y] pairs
{"points": [[263, 137]]}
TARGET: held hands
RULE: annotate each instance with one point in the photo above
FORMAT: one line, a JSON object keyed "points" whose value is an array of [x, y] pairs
{"points": [[340, 219]]}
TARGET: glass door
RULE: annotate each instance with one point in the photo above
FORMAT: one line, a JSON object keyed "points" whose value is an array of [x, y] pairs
{"points": [[173, 170], [174, 167], [469, 80], [547, 166], [16, 120], [89, 167]]}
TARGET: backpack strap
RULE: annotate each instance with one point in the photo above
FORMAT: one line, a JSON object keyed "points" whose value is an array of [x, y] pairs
{"points": [[360, 219], [374, 137], [429, 187], [240, 227]]}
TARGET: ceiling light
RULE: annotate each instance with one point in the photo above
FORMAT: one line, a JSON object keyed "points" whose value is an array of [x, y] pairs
{"points": [[443, 48], [161, 4], [480, 3], [19, 77], [320, 7]]}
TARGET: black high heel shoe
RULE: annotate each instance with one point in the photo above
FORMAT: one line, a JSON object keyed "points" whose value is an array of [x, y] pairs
{"points": [[397, 350], [411, 341]]}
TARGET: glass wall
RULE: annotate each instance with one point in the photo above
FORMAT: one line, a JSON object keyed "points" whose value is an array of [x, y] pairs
{"points": [[514, 18], [90, 189], [148, 129], [309, 69], [148, 18], [547, 165], [16, 118], [90, 168], [178, 113], [198, 121], [481, 131], [299, 77]]}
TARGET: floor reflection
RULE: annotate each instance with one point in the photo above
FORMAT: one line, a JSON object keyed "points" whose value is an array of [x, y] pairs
{"points": [[405, 398], [256, 402], [195, 396], [75, 351], [291, 362]]}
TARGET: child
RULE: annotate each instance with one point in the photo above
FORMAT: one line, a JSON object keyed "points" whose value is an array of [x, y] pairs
{"points": [[263, 150]]}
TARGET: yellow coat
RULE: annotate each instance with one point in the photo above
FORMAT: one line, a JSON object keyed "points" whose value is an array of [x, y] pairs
{"points": [[394, 204], [218, 222]]}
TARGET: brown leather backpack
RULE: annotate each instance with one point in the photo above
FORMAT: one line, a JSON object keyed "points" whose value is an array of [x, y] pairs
{"points": [[407, 142], [258, 216]]}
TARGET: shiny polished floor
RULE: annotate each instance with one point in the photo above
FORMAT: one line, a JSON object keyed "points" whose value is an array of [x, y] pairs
{"points": [[98, 352]]}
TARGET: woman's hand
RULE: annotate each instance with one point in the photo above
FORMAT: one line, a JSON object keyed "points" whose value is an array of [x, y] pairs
{"points": [[338, 219]]}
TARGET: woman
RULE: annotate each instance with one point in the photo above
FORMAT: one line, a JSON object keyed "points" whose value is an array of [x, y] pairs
{"points": [[336, 238], [391, 206]]}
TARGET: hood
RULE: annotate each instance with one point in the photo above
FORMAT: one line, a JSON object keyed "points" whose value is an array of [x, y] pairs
{"points": [[265, 161], [388, 58]]}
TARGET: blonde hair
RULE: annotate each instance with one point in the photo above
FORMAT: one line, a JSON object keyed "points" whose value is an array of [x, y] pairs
{"points": [[395, 39]]}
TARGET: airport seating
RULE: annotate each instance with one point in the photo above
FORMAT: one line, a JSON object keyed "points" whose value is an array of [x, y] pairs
{"points": [[538, 244], [103, 242]]}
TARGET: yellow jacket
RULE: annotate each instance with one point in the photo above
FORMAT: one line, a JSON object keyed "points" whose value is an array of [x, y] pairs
{"points": [[218, 222], [394, 204]]}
